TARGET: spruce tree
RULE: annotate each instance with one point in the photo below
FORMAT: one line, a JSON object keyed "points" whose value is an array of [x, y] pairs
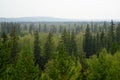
{"points": [[63, 66], [112, 31], [37, 49], [98, 44], [102, 39], [4, 37], [94, 44], [48, 48], [112, 47], [87, 42], [65, 38], [14, 46], [39, 27], [73, 45], [5, 50], [24, 69], [118, 35]]}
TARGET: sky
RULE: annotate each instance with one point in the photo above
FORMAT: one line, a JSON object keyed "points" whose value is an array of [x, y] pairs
{"points": [[71, 9]]}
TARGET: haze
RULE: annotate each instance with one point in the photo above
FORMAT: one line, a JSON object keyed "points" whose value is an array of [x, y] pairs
{"points": [[71, 9]]}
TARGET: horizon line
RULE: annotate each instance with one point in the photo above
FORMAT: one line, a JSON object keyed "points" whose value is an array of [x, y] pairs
{"points": [[89, 19]]}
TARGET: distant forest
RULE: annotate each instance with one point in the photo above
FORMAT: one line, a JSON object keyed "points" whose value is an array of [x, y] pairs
{"points": [[60, 50]]}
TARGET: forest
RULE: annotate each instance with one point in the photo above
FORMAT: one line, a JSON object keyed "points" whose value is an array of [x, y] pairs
{"points": [[60, 50]]}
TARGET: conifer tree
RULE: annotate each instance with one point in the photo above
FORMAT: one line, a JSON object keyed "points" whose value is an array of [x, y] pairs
{"points": [[14, 46], [112, 31], [5, 50], [102, 39], [94, 44], [87, 42], [112, 47], [4, 37], [39, 27], [73, 45], [66, 41], [63, 67], [118, 35], [48, 48], [98, 43], [37, 49], [24, 69]]}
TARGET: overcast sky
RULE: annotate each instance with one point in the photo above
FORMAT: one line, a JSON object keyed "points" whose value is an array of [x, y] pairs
{"points": [[77, 9]]}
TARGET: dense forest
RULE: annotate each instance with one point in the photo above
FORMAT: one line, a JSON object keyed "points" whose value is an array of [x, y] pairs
{"points": [[60, 50]]}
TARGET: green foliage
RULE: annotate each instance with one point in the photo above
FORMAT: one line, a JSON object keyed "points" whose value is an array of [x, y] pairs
{"points": [[111, 39], [73, 45], [37, 49], [45, 77], [78, 55], [69, 42], [4, 37], [5, 49], [118, 35], [14, 46], [25, 69], [104, 67], [48, 48], [63, 67], [87, 45]]}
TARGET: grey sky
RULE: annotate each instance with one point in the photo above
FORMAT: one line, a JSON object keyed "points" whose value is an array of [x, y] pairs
{"points": [[77, 9]]}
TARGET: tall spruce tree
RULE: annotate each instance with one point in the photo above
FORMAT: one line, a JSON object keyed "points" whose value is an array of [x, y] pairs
{"points": [[5, 50], [39, 28], [94, 44], [98, 44], [118, 35], [14, 46], [48, 48], [24, 69], [102, 39], [112, 47], [87, 42], [4, 37], [63, 66], [66, 41], [37, 49], [73, 45]]}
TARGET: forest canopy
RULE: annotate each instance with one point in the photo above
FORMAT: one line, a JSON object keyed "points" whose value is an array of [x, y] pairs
{"points": [[60, 50]]}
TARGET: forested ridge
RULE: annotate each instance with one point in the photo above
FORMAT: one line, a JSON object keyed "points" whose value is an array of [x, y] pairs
{"points": [[60, 51]]}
